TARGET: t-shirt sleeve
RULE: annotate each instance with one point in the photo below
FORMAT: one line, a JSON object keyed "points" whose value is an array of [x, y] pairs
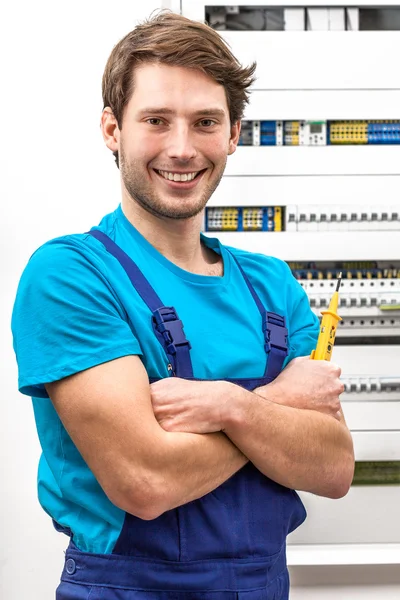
{"points": [[66, 317], [303, 323]]}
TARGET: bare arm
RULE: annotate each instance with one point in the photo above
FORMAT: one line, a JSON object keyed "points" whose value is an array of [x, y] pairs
{"points": [[143, 469], [307, 448], [300, 449]]}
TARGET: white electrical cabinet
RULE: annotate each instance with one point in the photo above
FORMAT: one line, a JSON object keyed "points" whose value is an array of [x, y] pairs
{"points": [[340, 203], [363, 527]]}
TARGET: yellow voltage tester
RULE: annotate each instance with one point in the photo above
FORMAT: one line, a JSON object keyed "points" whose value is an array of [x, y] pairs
{"points": [[327, 332]]}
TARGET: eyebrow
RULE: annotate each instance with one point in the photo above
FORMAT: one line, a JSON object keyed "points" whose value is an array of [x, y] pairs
{"points": [[168, 111]]}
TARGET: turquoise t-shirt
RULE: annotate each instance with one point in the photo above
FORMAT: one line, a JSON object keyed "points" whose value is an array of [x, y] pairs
{"points": [[76, 308]]}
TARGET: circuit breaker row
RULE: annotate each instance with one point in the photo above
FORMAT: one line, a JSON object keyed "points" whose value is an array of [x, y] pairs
{"points": [[365, 388], [368, 301], [342, 217], [264, 218], [378, 296], [362, 275], [369, 296], [303, 218], [319, 133], [298, 18]]}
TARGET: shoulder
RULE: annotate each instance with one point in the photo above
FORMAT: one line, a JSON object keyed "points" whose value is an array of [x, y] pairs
{"points": [[68, 270], [59, 259], [66, 257], [64, 248], [67, 316]]}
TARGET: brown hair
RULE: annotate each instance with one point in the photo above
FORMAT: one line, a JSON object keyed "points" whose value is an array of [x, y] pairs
{"points": [[174, 40]]}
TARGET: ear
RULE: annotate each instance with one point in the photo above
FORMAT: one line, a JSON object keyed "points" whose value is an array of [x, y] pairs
{"points": [[234, 139], [110, 129]]}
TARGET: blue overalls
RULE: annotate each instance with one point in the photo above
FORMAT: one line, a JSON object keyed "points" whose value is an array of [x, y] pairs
{"points": [[228, 545]]}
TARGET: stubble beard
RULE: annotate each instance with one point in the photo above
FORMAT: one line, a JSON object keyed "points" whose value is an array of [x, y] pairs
{"points": [[145, 195]]}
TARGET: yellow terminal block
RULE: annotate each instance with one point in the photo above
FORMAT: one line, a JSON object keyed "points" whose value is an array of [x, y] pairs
{"points": [[230, 218], [252, 219], [349, 132], [278, 218], [327, 332]]}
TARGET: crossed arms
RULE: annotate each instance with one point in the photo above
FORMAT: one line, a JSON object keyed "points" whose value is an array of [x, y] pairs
{"points": [[156, 447]]}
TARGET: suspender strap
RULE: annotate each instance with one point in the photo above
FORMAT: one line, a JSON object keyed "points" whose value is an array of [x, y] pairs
{"points": [[169, 328], [275, 336], [166, 323], [275, 332], [169, 331]]}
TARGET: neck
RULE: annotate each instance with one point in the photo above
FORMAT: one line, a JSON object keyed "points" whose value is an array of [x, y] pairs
{"points": [[176, 239]]}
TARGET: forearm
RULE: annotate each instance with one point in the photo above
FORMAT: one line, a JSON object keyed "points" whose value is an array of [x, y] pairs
{"points": [[186, 466], [300, 449]]}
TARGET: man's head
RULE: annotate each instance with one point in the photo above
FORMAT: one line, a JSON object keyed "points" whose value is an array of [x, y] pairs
{"points": [[173, 98]]}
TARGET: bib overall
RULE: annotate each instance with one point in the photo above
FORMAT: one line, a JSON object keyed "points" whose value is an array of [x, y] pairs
{"points": [[228, 545]]}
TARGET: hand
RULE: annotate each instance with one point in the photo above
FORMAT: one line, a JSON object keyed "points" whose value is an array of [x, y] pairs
{"points": [[189, 406], [307, 384]]}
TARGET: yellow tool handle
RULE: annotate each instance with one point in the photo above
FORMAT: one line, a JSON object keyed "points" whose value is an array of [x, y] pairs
{"points": [[327, 332], [326, 338]]}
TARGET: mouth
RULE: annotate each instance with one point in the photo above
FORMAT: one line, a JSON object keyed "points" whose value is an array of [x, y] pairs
{"points": [[177, 180]]}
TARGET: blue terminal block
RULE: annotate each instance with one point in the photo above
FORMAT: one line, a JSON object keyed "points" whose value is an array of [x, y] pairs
{"points": [[383, 133], [267, 133], [268, 219], [267, 139], [268, 127], [240, 220], [328, 133]]}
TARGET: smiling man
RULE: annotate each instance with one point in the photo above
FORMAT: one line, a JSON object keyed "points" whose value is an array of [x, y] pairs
{"points": [[188, 130], [175, 401]]}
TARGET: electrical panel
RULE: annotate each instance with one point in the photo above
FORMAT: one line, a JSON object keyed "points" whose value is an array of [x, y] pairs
{"points": [[320, 142], [319, 133]]}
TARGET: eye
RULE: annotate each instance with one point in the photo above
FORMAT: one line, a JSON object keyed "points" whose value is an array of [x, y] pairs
{"points": [[154, 121], [207, 122]]}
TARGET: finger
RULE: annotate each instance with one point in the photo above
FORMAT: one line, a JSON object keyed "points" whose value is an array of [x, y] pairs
{"points": [[173, 426]]}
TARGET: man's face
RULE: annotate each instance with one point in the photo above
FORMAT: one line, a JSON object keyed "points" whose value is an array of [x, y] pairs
{"points": [[174, 141]]}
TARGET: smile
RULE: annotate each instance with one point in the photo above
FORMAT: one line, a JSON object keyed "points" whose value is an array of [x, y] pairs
{"points": [[171, 176]]}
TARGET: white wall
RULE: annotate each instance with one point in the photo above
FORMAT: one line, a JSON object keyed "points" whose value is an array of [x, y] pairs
{"points": [[56, 177]]}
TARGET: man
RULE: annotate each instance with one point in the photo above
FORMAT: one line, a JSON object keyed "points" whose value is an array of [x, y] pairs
{"points": [[172, 442]]}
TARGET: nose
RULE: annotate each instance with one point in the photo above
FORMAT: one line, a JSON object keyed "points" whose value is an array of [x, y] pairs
{"points": [[181, 144]]}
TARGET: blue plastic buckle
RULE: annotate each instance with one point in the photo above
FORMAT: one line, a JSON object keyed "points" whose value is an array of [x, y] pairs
{"points": [[275, 333], [171, 328]]}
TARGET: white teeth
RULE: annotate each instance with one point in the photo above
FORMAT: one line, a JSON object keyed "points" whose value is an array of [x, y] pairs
{"points": [[178, 176]]}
